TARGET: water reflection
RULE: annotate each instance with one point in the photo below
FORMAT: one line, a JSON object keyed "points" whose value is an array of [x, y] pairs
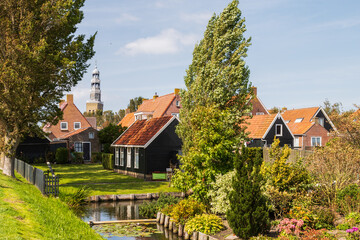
{"points": [[109, 211]]}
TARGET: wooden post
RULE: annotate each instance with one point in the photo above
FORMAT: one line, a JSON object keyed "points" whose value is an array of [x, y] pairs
{"points": [[158, 216], [181, 230], [166, 222]]}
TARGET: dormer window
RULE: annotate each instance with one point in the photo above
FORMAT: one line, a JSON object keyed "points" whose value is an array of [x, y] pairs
{"points": [[278, 130], [287, 121], [259, 113], [63, 126], [77, 125], [298, 120]]}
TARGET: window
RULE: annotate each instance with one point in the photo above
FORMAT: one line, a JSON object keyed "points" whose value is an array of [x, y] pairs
{"points": [[78, 147], [296, 142], [91, 135], [64, 126], [176, 115], [128, 159], [121, 156], [278, 130], [178, 103], [315, 141], [136, 162], [299, 120], [77, 125], [259, 113], [287, 121], [116, 156], [321, 121]]}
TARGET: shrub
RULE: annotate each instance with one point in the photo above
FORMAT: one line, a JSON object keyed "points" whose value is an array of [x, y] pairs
{"points": [[219, 194], [186, 209], [96, 157], [348, 199], [75, 198], [248, 215], [353, 218], [290, 226], [313, 234], [108, 161], [77, 157], [50, 157], [205, 223], [353, 233], [149, 209], [62, 155]]}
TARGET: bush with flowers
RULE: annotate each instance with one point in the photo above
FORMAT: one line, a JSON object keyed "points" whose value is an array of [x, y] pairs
{"points": [[290, 226], [353, 233]]}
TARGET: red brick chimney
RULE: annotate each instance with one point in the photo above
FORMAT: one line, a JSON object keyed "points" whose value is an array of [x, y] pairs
{"points": [[69, 98]]}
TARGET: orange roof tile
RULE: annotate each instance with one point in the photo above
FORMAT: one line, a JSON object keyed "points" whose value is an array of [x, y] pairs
{"points": [[67, 135], [142, 131], [158, 106], [258, 125], [298, 128], [127, 120]]}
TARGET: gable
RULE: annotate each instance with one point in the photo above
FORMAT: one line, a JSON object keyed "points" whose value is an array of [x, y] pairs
{"points": [[157, 106]]}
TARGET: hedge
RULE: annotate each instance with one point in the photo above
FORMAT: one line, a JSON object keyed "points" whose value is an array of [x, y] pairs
{"points": [[108, 161], [62, 155], [96, 157]]}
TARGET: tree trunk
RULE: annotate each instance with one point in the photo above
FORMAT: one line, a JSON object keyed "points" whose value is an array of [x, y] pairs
{"points": [[11, 142], [2, 160]]}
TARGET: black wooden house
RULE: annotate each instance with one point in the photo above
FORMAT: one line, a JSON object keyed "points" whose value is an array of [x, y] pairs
{"points": [[148, 146]]}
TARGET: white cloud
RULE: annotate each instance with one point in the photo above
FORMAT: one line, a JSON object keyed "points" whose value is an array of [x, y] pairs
{"points": [[125, 17], [169, 41], [337, 24], [199, 18]]}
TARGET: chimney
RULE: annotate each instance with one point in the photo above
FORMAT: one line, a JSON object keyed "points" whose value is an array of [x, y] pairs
{"points": [[176, 91], [155, 96], [61, 102], [254, 89], [69, 98]]}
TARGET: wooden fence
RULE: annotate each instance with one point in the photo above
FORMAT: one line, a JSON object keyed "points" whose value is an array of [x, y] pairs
{"points": [[48, 185]]}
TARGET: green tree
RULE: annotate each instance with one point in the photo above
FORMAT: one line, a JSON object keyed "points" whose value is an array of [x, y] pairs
{"points": [[248, 214], [214, 104], [40, 58], [108, 134], [134, 103]]}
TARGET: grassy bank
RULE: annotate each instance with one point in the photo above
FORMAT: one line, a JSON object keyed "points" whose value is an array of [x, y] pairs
{"points": [[26, 214], [101, 181]]}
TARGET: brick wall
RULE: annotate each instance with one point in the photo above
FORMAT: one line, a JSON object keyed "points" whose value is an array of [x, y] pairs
{"points": [[316, 131]]}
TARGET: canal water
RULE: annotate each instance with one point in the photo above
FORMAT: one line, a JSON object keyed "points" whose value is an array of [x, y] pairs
{"points": [[122, 210]]}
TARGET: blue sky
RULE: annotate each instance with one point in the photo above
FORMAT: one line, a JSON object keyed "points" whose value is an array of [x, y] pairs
{"points": [[302, 52]]}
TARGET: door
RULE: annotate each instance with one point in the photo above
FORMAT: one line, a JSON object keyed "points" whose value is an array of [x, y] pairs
{"points": [[86, 151]]}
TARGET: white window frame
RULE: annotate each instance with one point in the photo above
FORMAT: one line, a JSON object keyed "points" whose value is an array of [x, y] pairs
{"points": [[91, 135], [122, 156], [75, 128], [259, 113], [316, 141], [321, 121], [76, 149], [136, 160], [296, 142], [177, 103], [176, 115], [281, 130], [128, 158], [298, 120], [116, 156], [63, 128]]}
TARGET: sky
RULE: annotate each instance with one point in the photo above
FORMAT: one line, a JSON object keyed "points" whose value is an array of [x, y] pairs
{"points": [[302, 52]]}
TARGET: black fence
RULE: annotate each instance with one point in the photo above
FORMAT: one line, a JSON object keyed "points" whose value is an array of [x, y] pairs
{"points": [[48, 185]]}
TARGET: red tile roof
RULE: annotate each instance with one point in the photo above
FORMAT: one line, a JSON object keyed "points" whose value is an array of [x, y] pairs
{"points": [[127, 120], [67, 135], [258, 125], [158, 106], [142, 131], [298, 128]]}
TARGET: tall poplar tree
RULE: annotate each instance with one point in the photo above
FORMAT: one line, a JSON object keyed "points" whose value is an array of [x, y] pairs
{"points": [[214, 102], [40, 58]]}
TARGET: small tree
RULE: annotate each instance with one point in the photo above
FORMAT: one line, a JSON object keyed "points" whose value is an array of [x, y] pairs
{"points": [[108, 135], [248, 215]]}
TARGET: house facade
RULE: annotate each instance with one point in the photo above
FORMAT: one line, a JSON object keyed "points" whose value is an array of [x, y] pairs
{"points": [[147, 146], [311, 127], [74, 130], [262, 129], [258, 108]]}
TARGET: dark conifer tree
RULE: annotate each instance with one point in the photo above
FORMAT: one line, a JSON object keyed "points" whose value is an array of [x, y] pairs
{"points": [[248, 215]]}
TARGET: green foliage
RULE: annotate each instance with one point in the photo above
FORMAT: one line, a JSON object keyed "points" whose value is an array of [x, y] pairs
{"points": [[219, 193], [185, 210], [41, 58], [248, 215], [131, 230], [108, 134], [206, 223], [75, 198], [353, 218], [348, 199], [77, 157], [96, 157], [108, 161], [150, 209], [62, 155], [218, 88], [134, 103]]}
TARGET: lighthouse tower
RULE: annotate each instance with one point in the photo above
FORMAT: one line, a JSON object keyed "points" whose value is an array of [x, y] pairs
{"points": [[95, 102]]}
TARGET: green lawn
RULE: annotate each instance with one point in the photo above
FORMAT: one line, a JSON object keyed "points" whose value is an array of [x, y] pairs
{"points": [[103, 182], [26, 214]]}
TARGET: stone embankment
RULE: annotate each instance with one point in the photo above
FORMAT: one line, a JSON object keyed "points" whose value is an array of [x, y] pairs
{"points": [[126, 197]]}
